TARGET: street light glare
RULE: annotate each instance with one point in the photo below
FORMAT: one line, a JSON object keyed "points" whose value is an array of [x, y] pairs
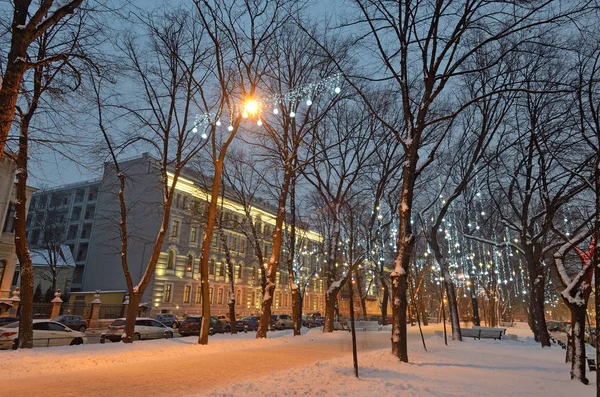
{"points": [[251, 107]]}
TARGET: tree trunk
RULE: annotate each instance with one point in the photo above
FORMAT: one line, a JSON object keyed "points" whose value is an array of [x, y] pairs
{"points": [[297, 300], [132, 313], [330, 309], [206, 242], [577, 341], [361, 295], [536, 281], [474, 305], [423, 314], [596, 262], [231, 305], [452, 304], [21, 247], [267, 301], [384, 303]]}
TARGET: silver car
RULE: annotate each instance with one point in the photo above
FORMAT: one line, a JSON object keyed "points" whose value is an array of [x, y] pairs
{"points": [[145, 328], [46, 333]]}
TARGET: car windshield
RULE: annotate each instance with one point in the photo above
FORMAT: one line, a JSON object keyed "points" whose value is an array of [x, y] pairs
{"points": [[118, 322], [274, 317], [11, 325], [192, 319]]}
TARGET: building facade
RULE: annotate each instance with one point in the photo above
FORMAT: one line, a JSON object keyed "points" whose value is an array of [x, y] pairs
{"points": [[175, 285], [65, 215], [8, 256]]}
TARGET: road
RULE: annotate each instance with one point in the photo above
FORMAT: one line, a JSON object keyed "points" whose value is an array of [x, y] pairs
{"points": [[166, 375]]}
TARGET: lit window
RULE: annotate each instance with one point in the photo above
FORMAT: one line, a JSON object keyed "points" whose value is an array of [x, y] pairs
{"points": [[175, 229], [171, 260], [220, 297], [186, 293], [210, 295], [168, 293], [198, 294], [193, 234], [190, 263]]}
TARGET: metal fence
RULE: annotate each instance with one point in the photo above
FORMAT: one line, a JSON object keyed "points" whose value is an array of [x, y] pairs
{"points": [[111, 311], [42, 310], [77, 309]]}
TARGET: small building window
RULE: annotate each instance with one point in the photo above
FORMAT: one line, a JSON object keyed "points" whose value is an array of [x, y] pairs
{"points": [[2, 270], [187, 291], [220, 297], [240, 270], [238, 297], [190, 263], [193, 234], [199, 294], [168, 293], [171, 260], [9, 222], [211, 267], [210, 295], [175, 229]]}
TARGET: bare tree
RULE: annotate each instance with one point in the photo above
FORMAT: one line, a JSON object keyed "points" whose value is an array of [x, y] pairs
{"points": [[53, 236], [403, 34], [167, 74], [40, 65], [341, 158], [28, 25], [240, 49]]}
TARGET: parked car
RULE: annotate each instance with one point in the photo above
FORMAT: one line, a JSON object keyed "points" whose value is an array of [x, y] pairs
{"points": [[281, 321], [45, 333], [168, 319], [246, 324], [223, 317], [73, 322], [191, 326], [320, 321], [553, 326], [7, 320], [309, 322], [145, 328]]}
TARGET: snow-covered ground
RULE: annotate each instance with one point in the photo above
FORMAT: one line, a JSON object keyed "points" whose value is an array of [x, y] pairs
{"points": [[471, 368], [313, 364]]}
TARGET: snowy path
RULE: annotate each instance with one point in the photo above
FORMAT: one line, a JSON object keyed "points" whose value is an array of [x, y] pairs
{"points": [[169, 367]]}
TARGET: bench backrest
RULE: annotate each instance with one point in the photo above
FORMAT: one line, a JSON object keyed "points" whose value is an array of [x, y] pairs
{"points": [[503, 330]]}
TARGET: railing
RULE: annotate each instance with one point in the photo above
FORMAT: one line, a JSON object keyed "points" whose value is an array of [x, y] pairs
{"points": [[77, 309], [111, 311], [42, 310]]}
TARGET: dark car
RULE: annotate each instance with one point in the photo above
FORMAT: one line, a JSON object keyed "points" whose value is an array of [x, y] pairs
{"points": [[246, 324], [7, 320], [76, 323], [191, 326], [320, 321], [168, 319], [309, 322]]}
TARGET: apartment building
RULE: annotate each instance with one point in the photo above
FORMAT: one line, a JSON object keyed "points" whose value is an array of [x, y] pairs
{"points": [[175, 284], [65, 215]]}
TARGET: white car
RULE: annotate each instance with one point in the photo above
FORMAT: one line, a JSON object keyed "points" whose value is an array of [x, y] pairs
{"points": [[145, 328], [45, 333], [281, 321]]}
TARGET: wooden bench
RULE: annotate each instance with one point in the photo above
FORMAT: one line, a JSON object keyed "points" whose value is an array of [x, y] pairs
{"points": [[478, 333], [503, 330], [367, 326]]}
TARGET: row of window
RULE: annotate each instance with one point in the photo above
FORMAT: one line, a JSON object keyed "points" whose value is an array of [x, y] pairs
{"points": [[284, 299]]}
